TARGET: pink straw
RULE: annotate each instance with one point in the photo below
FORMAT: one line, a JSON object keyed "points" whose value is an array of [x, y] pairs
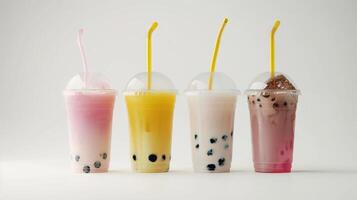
{"points": [[83, 55]]}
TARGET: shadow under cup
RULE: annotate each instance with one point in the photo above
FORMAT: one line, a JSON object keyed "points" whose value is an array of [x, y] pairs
{"points": [[272, 116]]}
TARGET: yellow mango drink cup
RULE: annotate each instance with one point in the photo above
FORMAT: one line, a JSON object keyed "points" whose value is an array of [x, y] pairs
{"points": [[150, 99]]}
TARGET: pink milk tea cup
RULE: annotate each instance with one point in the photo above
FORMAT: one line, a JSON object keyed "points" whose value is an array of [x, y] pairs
{"points": [[272, 105], [89, 114]]}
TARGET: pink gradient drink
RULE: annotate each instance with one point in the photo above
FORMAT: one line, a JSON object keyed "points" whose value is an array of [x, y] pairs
{"points": [[272, 117], [90, 125], [272, 105]]}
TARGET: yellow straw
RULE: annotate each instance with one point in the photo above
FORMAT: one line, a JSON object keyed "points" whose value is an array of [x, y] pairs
{"points": [[272, 48], [152, 28], [215, 53]]}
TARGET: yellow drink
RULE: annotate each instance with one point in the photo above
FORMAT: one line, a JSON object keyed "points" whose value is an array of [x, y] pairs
{"points": [[150, 118]]}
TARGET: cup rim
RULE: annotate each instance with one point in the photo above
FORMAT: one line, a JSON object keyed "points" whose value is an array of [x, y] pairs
{"points": [[273, 91], [134, 92], [208, 92], [90, 91]]}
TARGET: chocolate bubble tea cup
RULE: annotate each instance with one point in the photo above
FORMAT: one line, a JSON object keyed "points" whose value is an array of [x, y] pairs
{"points": [[89, 100], [272, 100], [150, 99]]}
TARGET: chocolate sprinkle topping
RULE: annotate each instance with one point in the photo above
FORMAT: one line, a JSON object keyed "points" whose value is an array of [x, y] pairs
{"points": [[279, 82]]}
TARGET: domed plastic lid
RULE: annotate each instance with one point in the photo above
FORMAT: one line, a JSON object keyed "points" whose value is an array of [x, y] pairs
{"points": [[159, 83], [220, 83], [281, 83], [95, 83]]}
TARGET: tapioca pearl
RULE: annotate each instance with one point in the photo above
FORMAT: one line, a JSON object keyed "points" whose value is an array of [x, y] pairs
{"points": [[253, 102], [196, 136], [86, 169], [221, 161], [285, 103], [265, 94], [211, 167], [105, 156], [163, 157], [258, 100], [282, 152], [273, 99], [226, 146], [197, 146], [77, 158], [260, 105], [232, 133], [224, 137], [152, 157], [213, 140], [134, 157], [97, 164], [275, 105], [210, 152]]}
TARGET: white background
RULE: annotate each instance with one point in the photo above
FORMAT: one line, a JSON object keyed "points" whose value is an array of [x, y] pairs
{"points": [[316, 45]]}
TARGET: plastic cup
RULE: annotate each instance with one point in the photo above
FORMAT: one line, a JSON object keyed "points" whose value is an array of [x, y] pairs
{"points": [[272, 117], [89, 114], [150, 114], [212, 122]]}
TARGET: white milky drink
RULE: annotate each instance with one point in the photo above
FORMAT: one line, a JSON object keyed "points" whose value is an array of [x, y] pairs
{"points": [[212, 127], [212, 122]]}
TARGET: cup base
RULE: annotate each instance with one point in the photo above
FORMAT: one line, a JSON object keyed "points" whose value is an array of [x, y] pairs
{"points": [[85, 171], [207, 171], [272, 167], [151, 170]]}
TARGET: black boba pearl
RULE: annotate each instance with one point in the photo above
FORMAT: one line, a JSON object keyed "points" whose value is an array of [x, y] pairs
{"points": [[86, 169], [258, 99], [260, 105], [97, 164], [253, 102], [211, 167], [213, 140], [210, 152], [163, 157], [197, 146], [275, 105], [265, 95], [105, 156], [232, 133], [273, 99], [134, 157], [196, 136], [152, 157], [285, 103], [77, 158], [221, 161], [224, 137]]}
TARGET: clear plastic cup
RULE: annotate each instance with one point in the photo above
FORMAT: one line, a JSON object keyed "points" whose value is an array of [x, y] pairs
{"points": [[89, 115], [212, 121], [272, 117], [150, 114]]}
